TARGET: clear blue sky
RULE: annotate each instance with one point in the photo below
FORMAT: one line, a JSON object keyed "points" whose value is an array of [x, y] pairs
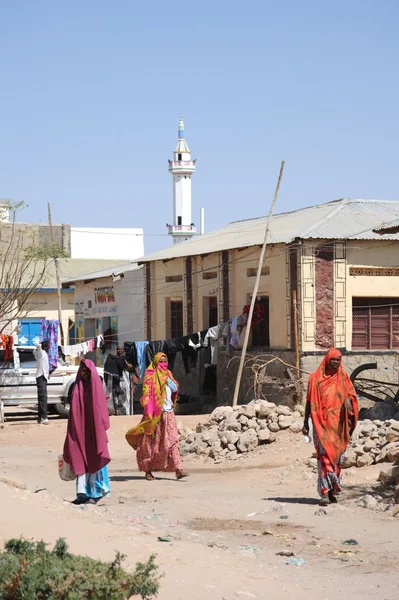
{"points": [[91, 93]]}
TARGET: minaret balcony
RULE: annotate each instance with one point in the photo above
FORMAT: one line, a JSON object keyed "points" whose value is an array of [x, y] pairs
{"points": [[182, 230], [181, 166]]}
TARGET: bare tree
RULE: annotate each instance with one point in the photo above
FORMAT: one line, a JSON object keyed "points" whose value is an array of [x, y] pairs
{"points": [[24, 264]]}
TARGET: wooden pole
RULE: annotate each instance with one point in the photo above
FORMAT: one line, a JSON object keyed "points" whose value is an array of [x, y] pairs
{"points": [[57, 276], [256, 287], [296, 341]]}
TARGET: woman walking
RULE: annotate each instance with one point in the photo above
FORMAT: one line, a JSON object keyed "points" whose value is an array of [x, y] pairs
{"points": [[86, 442], [156, 438], [333, 406]]}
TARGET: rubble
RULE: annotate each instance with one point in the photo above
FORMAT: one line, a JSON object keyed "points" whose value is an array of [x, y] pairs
{"points": [[234, 432], [231, 433]]}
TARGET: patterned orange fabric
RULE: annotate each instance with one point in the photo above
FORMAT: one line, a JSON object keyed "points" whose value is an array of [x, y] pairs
{"points": [[153, 398], [327, 392]]}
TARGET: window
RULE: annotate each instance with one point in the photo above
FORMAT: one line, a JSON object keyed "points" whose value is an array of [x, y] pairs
{"points": [[179, 220], [176, 318], [179, 157], [9, 364], [375, 323], [260, 327], [26, 358]]}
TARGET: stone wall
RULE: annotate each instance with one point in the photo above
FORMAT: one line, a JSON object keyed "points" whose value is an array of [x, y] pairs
{"points": [[387, 363]]}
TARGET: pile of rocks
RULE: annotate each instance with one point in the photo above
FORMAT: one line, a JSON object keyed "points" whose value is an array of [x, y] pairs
{"points": [[373, 442], [232, 432]]}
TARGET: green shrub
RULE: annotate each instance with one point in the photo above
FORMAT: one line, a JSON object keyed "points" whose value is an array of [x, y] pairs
{"points": [[29, 571]]}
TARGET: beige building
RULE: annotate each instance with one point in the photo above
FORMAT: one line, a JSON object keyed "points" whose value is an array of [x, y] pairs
{"points": [[344, 273], [43, 303]]}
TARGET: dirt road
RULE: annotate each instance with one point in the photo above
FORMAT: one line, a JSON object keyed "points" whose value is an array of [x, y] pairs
{"points": [[216, 520]]}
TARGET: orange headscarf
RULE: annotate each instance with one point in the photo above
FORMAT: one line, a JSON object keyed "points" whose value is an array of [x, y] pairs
{"points": [[153, 398], [327, 392]]}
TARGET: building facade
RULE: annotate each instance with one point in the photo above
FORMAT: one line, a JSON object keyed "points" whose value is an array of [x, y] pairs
{"points": [[345, 277]]}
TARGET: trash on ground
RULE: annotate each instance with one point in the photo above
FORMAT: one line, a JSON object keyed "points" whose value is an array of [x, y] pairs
{"points": [[284, 517], [350, 542], [321, 512], [285, 553], [164, 539], [296, 561]]}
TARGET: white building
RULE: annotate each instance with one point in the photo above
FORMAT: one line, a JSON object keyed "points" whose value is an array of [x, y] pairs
{"points": [[182, 168], [110, 302]]}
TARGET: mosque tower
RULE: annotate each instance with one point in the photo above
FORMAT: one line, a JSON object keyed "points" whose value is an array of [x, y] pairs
{"points": [[182, 168]]}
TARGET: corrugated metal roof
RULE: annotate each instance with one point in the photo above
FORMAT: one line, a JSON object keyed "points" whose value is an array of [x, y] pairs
{"points": [[340, 219], [387, 228], [109, 272], [70, 268]]}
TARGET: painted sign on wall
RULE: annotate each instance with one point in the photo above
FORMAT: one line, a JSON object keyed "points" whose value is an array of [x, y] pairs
{"points": [[104, 295]]}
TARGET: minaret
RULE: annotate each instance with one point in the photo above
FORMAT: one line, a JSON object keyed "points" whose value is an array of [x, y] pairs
{"points": [[181, 167]]}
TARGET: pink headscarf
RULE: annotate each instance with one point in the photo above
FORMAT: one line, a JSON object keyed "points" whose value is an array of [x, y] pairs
{"points": [[86, 442]]}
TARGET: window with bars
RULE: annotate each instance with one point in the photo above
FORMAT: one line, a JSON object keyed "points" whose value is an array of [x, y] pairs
{"points": [[261, 326], [375, 323], [176, 318]]}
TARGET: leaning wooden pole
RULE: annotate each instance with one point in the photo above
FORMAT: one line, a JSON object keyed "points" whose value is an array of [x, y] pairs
{"points": [[296, 336], [57, 275], [256, 287]]}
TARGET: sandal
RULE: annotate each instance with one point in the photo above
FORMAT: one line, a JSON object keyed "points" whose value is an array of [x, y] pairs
{"points": [[324, 501], [332, 497], [181, 475], [149, 477]]}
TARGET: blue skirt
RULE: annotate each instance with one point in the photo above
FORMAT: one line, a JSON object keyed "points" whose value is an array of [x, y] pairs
{"points": [[94, 485]]}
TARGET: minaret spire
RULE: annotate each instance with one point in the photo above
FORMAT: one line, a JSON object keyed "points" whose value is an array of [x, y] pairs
{"points": [[182, 168]]}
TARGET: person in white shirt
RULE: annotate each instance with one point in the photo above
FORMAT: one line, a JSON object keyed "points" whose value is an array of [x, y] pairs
{"points": [[42, 375]]}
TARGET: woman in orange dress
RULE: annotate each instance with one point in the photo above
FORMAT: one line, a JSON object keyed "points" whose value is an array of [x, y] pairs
{"points": [[333, 407], [156, 438]]}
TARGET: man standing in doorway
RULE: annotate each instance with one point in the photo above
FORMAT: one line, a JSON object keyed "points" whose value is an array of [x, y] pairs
{"points": [[42, 375]]}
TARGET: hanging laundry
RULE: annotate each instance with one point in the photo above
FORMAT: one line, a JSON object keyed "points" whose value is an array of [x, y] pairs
{"points": [[152, 349], [214, 334], [259, 313], [49, 333], [173, 347], [7, 344], [136, 355], [235, 334], [100, 340]]}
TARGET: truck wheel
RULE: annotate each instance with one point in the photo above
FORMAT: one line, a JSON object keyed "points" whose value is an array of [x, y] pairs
{"points": [[63, 408]]}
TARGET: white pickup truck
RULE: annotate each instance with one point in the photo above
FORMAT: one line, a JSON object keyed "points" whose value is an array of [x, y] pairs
{"points": [[18, 381]]}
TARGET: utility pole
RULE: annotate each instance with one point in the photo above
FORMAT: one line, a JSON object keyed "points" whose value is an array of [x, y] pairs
{"points": [[57, 275], [256, 287]]}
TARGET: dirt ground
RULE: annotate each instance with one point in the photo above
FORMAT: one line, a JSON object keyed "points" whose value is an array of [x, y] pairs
{"points": [[226, 522]]}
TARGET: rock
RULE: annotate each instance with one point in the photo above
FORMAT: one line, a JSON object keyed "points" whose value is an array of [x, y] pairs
{"points": [[381, 457], [232, 437], [274, 427], [265, 408], [350, 458], [200, 428], [301, 409], [312, 462], [216, 449], [392, 434], [190, 439], [367, 429], [358, 449], [231, 448], [321, 512], [284, 410], [243, 420], [264, 436], [210, 436], [262, 423], [248, 441], [233, 455], [253, 424], [296, 427], [388, 474], [248, 410], [365, 461], [285, 421], [272, 418], [392, 451], [198, 447], [369, 502], [369, 445], [232, 423], [184, 448], [272, 438], [220, 413]]}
